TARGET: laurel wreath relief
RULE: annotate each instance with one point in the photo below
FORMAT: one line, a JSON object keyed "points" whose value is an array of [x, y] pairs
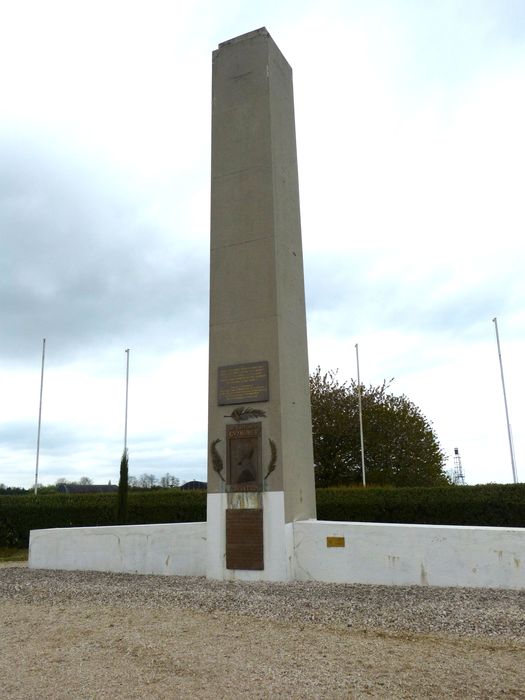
{"points": [[216, 459], [218, 464], [245, 413], [273, 458]]}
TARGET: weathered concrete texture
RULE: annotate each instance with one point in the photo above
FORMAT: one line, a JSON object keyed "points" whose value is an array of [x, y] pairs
{"points": [[257, 306], [172, 549], [373, 553], [410, 555]]}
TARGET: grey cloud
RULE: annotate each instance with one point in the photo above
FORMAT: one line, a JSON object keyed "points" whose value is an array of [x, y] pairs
{"points": [[79, 262], [70, 453], [347, 296], [55, 438], [18, 435]]}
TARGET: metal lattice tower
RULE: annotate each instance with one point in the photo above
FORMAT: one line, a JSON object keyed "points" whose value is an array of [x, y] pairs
{"points": [[457, 475]]}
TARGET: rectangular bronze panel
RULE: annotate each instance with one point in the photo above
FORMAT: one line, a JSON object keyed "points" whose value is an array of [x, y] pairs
{"points": [[335, 541], [247, 383], [244, 539], [243, 456]]}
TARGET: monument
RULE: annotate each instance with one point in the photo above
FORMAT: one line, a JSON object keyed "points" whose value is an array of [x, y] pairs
{"points": [[261, 498], [260, 468]]}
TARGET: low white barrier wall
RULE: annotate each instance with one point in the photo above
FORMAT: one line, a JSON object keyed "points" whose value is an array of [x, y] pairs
{"points": [[433, 555], [336, 552], [172, 548]]}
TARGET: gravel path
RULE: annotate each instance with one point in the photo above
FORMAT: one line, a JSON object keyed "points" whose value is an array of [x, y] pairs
{"points": [[97, 635]]}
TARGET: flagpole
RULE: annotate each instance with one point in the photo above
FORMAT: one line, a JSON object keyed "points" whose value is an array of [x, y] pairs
{"points": [[40, 414], [126, 411], [509, 431], [360, 417]]}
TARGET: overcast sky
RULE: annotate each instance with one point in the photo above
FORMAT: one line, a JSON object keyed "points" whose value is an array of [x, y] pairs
{"points": [[410, 133]]}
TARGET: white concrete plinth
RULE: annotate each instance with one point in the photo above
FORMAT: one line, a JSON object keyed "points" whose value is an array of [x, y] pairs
{"points": [[373, 553], [408, 555], [171, 549], [278, 541]]}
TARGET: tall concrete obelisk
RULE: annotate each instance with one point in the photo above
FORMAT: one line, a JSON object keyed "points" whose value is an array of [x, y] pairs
{"points": [[260, 468]]}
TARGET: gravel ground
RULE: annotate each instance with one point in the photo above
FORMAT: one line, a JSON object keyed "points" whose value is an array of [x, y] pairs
{"points": [[98, 635]]}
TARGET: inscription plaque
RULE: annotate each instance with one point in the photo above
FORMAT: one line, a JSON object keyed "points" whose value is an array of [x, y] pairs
{"points": [[243, 457], [244, 539], [335, 541], [247, 383]]}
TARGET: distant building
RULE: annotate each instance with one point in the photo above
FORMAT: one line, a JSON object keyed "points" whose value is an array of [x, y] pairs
{"points": [[87, 488], [194, 486]]}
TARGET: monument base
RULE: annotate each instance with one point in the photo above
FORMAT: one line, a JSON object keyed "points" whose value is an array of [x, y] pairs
{"points": [[307, 550], [277, 535]]}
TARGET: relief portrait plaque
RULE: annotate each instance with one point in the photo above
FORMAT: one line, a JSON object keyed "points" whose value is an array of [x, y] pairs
{"points": [[243, 457], [246, 383]]}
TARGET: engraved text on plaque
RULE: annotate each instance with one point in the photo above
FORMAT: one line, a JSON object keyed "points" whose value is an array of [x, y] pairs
{"points": [[247, 383], [244, 539]]}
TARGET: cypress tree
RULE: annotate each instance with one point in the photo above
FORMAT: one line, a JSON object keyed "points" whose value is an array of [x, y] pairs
{"points": [[122, 510]]}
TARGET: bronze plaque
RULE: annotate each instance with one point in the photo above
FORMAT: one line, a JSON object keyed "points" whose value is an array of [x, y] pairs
{"points": [[335, 541], [244, 539], [243, 457], [247, 383]]}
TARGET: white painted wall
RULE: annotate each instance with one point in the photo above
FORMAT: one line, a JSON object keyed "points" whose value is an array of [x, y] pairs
{"points": [[278, 541], [374, 553], [388, 554], [172, 549]]}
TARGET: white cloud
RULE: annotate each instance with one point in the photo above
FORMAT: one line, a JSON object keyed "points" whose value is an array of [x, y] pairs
{"points": [[410, 139]]}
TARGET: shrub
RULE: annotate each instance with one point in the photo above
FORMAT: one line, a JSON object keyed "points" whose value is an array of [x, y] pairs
{"points": [[21, 514], [494, 505]]}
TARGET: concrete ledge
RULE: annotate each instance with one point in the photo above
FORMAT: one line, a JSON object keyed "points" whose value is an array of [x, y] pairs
{"points": [[308, 550], [171, 549], [404, 555]]}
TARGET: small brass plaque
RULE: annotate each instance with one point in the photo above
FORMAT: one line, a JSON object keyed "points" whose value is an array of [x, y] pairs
{"points": [[335, 541], [247, 383]]}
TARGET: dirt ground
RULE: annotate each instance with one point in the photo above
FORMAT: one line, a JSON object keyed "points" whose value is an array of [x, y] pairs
{"points": [[83, 650]]}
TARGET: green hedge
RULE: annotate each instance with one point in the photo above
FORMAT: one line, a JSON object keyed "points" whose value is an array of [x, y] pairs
{"points": [[494, 505], [20, 514]]}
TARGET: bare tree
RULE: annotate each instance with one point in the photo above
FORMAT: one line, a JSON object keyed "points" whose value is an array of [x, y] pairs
{"points": [[147, 481], [168, 481]]}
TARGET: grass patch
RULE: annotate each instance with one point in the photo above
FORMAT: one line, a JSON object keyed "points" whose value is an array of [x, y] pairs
{"points": [[13, 554]]}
